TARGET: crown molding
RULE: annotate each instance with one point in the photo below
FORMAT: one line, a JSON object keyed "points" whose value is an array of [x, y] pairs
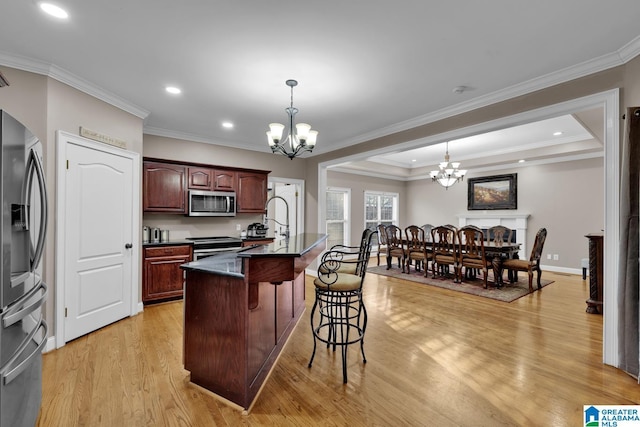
{"points": [[70, 79]]}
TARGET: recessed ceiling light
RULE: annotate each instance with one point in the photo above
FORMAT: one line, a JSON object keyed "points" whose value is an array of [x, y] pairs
{"points": [[413, 160], [227, 125], [173, 90], [521, 161], [54, 10], [557, 133]]}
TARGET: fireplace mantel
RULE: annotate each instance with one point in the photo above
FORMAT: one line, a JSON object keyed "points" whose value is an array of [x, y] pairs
{"points": [[514, 221]]}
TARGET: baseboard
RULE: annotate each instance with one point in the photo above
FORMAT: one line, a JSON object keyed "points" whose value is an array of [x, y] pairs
{"points": [[555, 269]]}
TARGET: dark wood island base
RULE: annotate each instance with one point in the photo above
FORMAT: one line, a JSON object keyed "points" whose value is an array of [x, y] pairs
{"points": [[239, 311]]}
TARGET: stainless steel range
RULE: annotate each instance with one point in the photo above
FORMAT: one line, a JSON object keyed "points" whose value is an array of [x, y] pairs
{"points": [[208, 246]]}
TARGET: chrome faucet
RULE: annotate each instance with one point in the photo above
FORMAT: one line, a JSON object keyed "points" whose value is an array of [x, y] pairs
{"points": [[286, 232]]}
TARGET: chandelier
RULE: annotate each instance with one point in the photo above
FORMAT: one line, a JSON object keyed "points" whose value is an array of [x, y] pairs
{"points": [[448, 174], [298, 140]]}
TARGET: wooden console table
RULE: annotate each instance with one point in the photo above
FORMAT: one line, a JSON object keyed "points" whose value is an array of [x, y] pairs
{"points": [[239, 310], [596, 267]]}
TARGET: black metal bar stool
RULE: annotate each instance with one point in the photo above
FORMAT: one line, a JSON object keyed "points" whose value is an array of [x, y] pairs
{"points": [[338, 316]]}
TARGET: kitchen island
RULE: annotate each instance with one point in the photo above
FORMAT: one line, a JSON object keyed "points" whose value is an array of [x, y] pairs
{"points": [[239, 310]]}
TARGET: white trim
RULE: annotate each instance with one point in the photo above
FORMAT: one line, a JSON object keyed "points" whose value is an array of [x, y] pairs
{"points": [[62, 140], [301, 200], [346, 237]]}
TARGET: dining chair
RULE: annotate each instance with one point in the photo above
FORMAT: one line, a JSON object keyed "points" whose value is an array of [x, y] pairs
{"points": [[533, 263], [498, 234], [427, 232], [416, 249], [444, 251], [395, 246], [339, 316], [382, 240], [472, 254]]}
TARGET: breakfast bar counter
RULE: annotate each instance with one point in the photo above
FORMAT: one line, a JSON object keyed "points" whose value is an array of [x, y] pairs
{"points": [[239, 310]]}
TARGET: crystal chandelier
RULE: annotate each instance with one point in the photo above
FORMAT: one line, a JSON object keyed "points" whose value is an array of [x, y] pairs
{"points": [[298, 140], [448, 174]]}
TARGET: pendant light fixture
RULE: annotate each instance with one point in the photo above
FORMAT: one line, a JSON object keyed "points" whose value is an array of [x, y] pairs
{"points": [[449, 172], [299, 139]]}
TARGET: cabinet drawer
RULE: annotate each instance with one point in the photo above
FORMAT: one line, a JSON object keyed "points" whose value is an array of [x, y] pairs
{"points": [[167, 251]]}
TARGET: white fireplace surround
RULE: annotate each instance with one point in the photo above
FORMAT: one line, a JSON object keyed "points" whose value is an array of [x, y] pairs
{"points": [[513, 221]]}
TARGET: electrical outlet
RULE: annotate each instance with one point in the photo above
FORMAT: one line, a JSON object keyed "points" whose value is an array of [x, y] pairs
{"points": [[548, 256], [238, 227], [555, 257]]}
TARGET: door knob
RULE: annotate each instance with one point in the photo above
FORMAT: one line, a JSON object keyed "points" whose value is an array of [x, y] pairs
{"points": [[128, 246]]}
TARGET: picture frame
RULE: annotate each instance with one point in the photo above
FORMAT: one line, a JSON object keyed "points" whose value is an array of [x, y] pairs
{"points": [[493, 192]]}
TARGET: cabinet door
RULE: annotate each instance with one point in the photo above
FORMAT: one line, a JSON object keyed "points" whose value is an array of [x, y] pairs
{"points": [[163, 277], [252, 192], [200, 178], [224, 180], [164, 188]]}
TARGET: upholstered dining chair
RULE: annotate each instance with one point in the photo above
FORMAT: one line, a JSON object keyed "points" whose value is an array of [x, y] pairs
{"points": [[472, 255], [416, 249], [533, 263], [382, 240], [444, 251], [395, 246], [338, 315]]}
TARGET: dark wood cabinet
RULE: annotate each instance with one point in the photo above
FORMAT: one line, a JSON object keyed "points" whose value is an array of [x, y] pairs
{"points": [[200, 178], [166, 185], [162, 276], [596, 270], [164, 188], [224, 180], [252, 192]]}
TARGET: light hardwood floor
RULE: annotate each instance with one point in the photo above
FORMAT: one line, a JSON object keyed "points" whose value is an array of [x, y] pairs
{"points": [[434, 357]]}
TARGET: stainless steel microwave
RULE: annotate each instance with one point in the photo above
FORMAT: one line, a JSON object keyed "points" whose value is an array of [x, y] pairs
{"points": [[212, 203]]}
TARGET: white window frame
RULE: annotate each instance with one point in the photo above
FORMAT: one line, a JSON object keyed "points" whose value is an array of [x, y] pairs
{"points": [[346, 238], [396, 205]]}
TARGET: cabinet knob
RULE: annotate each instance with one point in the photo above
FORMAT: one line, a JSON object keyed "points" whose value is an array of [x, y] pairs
{"points": [[128, 245]]}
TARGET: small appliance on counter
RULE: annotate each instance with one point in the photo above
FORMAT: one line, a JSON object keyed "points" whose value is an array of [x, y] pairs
{"points": [[257, 229], [155, 235], [146, 234]]}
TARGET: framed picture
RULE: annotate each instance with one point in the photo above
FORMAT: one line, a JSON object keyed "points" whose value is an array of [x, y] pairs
{"points": [[493, 192]]}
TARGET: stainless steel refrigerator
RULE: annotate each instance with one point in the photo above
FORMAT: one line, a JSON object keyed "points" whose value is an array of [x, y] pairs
{"points": [[23, 330]]}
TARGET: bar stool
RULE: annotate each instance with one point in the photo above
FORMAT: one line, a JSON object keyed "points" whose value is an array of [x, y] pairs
{"points": [[338, 316]]}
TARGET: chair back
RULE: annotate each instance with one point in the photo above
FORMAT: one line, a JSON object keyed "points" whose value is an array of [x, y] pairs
{"points": [[394, 237], [444, 239], [382, 234], [415, 240], [499, 234], [471, 240], [538, 244], [368, 237], [427, 232]]}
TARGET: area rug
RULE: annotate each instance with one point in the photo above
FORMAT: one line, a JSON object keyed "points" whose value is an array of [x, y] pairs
{"points": [[508, 293]]}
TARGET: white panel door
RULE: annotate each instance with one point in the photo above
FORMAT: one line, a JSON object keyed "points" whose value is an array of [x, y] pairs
{"points": [[98, 227]]}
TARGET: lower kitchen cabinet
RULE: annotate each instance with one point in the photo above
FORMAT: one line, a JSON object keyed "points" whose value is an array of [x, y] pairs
{"points": [[162, 277]]}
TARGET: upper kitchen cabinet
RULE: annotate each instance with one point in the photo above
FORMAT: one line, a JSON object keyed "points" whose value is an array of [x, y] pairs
{"points": [[164, 187], [252, 192], [224, 180], [209, 179]]}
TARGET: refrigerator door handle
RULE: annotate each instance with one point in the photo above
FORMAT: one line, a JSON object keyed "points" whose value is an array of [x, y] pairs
{"points": [[34, 164], [19, 310], [9, 373]]}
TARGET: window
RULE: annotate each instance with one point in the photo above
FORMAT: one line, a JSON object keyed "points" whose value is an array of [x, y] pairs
{"points": [[337, 206], [380, 208]]}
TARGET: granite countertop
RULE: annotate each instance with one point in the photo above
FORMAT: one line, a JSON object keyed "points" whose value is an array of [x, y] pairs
{"points": [[231, 263]]}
